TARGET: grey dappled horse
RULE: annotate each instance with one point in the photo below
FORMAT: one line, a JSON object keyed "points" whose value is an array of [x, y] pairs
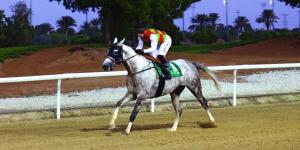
{"points": [[142, 82]]}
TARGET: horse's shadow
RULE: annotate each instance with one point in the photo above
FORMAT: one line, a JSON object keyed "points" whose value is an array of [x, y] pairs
{"points": [[121, 128]]}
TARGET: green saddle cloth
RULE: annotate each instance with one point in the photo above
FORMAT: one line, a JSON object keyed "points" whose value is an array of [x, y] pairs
{"points": [[173, 68]]}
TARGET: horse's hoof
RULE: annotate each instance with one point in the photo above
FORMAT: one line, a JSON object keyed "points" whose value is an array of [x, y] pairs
{"points": [[111, 127], [125, 133], [172, 130]]}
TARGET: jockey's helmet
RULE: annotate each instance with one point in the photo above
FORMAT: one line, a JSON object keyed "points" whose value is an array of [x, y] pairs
{"points": [[141, 27]]}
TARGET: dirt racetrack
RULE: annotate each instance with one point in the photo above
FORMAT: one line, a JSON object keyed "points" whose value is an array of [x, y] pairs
{"points": [[266, 127], [60, 60]]}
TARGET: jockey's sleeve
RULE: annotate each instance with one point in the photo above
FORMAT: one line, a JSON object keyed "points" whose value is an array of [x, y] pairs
{"points": [[140, 43], [154, 42]]}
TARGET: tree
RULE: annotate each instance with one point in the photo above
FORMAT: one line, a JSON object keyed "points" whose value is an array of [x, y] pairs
{"points": [[2, 29], [42, 33], [65, 25], [22, 32], [119, 17], [213, 18], [95, 32], [85, 28], [241, 23], [44, 28], [199, 22], [293, 3], [204, 36], [268, 18], [2, 18], [92, 30]]}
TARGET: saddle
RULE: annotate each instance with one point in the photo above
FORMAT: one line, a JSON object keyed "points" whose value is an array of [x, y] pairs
{"points": [[174, 69]]}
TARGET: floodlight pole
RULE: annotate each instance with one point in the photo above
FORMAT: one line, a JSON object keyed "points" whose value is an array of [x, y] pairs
{"points": [[238, 13], [86, 16], [31, 12], [225, 2], [299, 21], [238, 30], [193, 7], [183, 24], [272, 2]]}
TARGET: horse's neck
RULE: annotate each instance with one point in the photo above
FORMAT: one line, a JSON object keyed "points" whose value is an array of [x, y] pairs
{"points": [[134, 63]]}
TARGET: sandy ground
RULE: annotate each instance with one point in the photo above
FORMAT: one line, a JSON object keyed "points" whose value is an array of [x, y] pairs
{"points": [[268, 127], [60, 60]]}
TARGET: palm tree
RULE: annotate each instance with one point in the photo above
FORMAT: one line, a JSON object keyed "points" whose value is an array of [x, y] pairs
{"points": [[241, 23], [293, 3], [66, 24], [85, 28], [97, 23], [199, 22], [44, 28], [213, 18], [268, 17]]}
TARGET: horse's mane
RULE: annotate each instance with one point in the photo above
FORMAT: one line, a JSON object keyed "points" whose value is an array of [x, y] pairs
{"points": [[147, 57]]}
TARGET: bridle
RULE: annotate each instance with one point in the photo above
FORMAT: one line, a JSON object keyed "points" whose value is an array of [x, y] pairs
{"points": [[122, 60]]}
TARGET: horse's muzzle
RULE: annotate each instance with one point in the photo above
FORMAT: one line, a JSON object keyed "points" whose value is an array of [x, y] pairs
{"points": [[106, 68], [107, 65]]}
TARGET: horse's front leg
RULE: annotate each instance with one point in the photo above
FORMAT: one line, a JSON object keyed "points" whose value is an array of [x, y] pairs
{"points": [[133, 115], [177, 108], [128, 97]]}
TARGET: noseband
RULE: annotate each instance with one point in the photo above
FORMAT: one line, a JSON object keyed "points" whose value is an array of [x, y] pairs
{"points": [[125, 60], [121, 60]]}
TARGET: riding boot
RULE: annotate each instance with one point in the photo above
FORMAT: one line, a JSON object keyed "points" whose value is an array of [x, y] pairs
{"points": [[165, 67]]}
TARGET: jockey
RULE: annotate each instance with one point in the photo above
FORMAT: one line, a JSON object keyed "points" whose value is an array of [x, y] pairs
{"points": [[160, 44]]}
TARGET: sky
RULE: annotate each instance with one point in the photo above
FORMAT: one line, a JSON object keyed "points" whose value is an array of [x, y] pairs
{"points": [[45, 11], [249, 8]]}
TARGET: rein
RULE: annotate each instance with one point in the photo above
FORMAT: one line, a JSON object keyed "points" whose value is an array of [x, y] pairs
{"points": [[132, 74], [122, 60], [130, 57]]}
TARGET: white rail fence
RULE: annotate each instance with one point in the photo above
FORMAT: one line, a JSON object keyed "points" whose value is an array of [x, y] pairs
{"points": [[60, 77]]}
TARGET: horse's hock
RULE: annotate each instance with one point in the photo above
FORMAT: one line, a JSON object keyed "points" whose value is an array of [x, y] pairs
{"points": [[159, 106]]}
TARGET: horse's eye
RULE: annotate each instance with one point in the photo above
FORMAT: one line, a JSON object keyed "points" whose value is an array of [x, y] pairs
{"points": [[115, 53]]}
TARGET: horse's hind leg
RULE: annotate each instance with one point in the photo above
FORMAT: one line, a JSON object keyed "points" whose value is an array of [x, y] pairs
{"points": [[128, 97], [175, 101], [196, 90]]}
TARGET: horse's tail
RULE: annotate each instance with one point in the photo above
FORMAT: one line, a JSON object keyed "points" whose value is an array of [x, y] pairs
{"points": [[210, 73]]}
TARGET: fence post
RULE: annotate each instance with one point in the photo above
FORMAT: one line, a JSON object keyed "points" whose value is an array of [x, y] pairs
{"points": [[234, 88], [58, 99], [152, 105]]}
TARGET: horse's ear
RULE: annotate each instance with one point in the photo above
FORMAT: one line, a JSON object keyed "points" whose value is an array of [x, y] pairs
{"points": [[121, 42], [115, 40]]}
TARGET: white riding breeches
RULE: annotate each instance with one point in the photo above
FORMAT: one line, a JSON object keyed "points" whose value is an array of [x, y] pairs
{"points": [[163, 48]]}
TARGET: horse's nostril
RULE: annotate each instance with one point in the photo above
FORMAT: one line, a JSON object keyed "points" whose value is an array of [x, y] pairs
{"points": [[104, 67]]}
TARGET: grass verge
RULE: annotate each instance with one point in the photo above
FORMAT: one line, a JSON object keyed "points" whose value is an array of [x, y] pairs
{"points": [[203, 49], [13, 52]]}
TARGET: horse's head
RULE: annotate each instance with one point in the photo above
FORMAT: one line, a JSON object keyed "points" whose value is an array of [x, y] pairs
{"points": [[114, 55]]}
